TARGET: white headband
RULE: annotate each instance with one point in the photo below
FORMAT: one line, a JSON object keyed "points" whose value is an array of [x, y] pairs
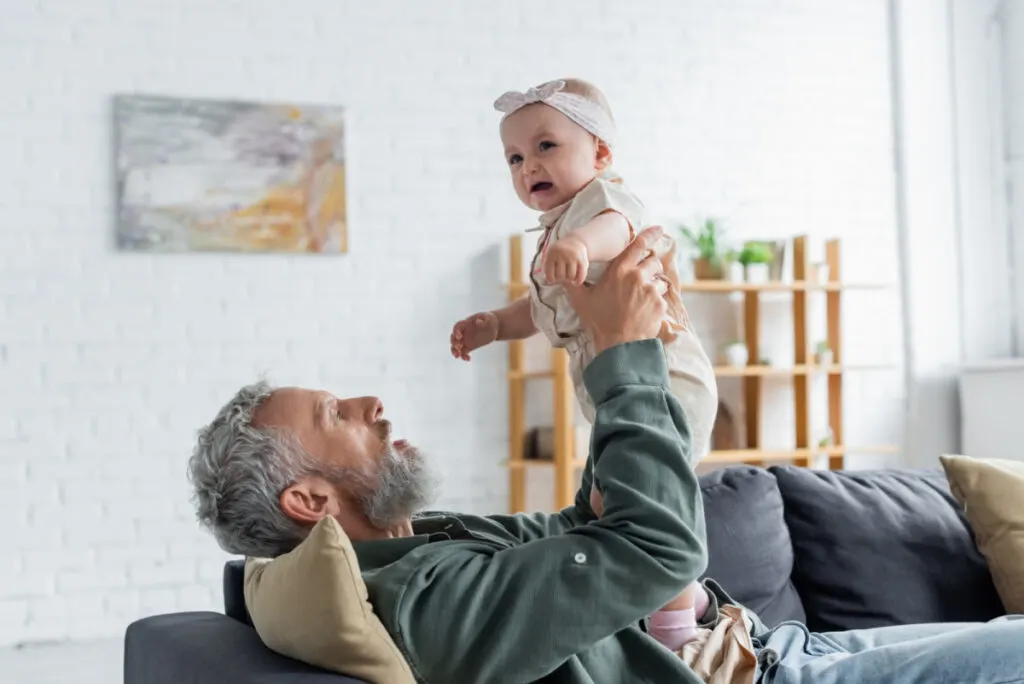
{"points": [[587, 113]]}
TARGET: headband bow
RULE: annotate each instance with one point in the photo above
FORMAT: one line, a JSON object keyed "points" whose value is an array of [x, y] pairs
{"points": [[512, 100], [585, 112]]}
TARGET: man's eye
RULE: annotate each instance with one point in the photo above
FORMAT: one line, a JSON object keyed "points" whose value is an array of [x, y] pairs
{"points": [[514, 159]]}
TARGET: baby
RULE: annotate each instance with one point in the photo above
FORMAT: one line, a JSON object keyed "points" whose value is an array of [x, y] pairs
{"points": [[558, 140]]}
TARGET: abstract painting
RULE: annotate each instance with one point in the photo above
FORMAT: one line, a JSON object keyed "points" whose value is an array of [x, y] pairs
{"points": [[208, 175]]}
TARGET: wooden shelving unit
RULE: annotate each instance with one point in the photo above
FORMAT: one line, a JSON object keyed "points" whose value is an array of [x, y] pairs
{"points": [[752, 377]]}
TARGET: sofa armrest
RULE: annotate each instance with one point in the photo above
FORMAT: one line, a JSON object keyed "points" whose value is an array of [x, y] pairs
{"points": [[209, 647]]}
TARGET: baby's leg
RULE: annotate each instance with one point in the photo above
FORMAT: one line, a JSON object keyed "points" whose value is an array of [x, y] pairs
{"points": [[581, 353], [676, 623], [684, 600], [694, 384]]}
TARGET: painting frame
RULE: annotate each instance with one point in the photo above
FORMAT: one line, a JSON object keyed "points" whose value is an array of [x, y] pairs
{"points": [[197, 174]]}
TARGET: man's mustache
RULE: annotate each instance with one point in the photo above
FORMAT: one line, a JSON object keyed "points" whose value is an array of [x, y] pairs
{"points": [[384, 429]]}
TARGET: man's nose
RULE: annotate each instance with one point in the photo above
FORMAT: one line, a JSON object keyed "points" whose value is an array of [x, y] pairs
{"points": [[373, 408]]}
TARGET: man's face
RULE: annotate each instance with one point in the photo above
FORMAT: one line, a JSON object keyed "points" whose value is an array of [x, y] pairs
{"points": [[383, 479]]}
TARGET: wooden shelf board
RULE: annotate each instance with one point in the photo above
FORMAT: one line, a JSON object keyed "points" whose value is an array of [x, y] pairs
{"points": [[742, 455], [725, 286], [775, 286], [530, 375], [800, 369]]}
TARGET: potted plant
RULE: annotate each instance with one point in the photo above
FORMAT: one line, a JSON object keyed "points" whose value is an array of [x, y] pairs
{"points": [[735, 353], [707, 265], [755, 258], [823, 354]]}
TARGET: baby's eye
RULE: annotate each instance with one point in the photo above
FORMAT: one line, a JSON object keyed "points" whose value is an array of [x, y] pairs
{"points": [[546, 145], [514, 159]]}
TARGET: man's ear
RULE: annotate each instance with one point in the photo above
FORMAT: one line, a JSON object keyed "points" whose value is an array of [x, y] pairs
{"points": [[603, 157], [310, 500]]}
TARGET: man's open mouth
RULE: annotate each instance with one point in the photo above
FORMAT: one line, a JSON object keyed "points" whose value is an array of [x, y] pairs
{"points": [[540, 187]]}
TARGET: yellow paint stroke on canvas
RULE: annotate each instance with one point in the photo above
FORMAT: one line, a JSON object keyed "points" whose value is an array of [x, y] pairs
{"points": [[307, 216]]}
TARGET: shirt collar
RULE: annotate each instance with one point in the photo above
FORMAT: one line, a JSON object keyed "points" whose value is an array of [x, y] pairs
{"points": [[377, 553]]}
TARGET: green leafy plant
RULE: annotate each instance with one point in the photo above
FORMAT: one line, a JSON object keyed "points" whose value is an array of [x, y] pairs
{"points": [[706, 239], [755, 253], [821, 347]]}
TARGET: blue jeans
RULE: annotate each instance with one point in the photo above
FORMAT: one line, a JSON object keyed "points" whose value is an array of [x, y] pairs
{"points": [[957, 653]]}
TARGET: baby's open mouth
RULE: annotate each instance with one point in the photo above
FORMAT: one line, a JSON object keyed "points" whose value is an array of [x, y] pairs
{"points": [[540, 187]]}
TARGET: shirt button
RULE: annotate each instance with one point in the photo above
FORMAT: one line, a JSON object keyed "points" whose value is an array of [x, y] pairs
{"points": [[580, 558]]}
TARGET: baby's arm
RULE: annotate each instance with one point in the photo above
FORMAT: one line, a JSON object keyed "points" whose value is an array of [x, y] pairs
{"points": [[600, 239], [512, 322], [515, 321], [604, 236]]}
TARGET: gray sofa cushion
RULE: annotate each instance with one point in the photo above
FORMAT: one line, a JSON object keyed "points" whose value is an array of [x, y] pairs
{"points": [[201, 647], [883, 547], [749, 548]]}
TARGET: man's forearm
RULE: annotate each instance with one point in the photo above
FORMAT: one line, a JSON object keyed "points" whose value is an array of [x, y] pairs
{"points": [[515, 321]]}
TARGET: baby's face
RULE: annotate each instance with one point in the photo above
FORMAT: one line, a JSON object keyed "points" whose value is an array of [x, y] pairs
{"points": [[551, 157]]}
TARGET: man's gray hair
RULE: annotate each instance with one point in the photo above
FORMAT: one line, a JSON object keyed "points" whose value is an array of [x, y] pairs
{"points": [[239, 472]]}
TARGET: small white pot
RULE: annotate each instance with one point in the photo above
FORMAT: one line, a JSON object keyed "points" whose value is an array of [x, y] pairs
{"points": [[736, 355], [825, 358], [735, 272], [757, 273]]}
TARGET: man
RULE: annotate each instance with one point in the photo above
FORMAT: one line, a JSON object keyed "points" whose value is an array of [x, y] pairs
{"points": [[553, 598]]}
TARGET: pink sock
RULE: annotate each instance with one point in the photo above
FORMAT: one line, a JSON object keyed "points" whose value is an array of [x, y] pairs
{"points": [[673, 628]]}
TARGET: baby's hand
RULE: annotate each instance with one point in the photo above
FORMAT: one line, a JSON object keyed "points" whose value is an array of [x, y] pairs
{"points": [[566, 261], [472, 333]]}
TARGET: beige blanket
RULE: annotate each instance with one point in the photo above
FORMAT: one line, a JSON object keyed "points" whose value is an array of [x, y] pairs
{"points": [[724, 654]]}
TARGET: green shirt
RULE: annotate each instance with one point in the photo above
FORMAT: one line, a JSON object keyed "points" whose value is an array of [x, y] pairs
{"points": [[561, 597]]}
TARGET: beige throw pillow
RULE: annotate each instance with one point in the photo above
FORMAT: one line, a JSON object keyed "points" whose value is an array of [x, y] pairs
{"points": [[992, 494], [311, 604]]}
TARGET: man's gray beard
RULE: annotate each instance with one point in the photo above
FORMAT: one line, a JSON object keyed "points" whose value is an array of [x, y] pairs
{"points": [[400, 486]]}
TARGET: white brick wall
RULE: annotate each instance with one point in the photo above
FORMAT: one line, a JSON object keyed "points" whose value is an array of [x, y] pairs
{"points": [[773, 113]]}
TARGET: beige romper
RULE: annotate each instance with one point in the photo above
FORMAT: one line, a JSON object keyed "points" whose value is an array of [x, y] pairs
{"points": [[692, 372]]}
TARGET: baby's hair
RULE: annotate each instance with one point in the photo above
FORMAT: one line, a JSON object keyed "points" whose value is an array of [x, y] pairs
{"points": [[577, 86]]}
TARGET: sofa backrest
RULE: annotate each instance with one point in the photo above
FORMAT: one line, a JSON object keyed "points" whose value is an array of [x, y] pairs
{"points": [[882, 547], [833, 549], [234, 591]]}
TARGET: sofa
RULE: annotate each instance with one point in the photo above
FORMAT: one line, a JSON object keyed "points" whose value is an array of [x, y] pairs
{"points": [[833, 549]]}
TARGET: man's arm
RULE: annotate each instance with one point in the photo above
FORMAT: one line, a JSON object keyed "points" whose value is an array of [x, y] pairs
{"points": [[530, 526], [477, 615]]}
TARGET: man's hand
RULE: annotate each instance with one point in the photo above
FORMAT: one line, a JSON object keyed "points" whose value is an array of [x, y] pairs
{"points": [[566, 261], [472, 333], [627, 303]]}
